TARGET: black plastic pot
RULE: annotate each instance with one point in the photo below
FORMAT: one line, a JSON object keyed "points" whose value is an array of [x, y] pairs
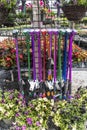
{"points": [[3, 14], [51, 125]]}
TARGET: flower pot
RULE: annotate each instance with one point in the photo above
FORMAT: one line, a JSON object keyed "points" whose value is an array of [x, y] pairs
{"points": [[48, 21], [3, 14], [8, 121], [51, 125], [74, 12]]}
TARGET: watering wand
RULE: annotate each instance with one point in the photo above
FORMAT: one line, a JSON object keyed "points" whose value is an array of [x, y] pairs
{"points": [[15, 34]]}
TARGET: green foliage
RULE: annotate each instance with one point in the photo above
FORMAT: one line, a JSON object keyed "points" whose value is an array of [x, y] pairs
{"points": [[34, 116], [82, 2], [72, 114], [67, 114], [9, 104], [78, 2], [8, 4], [38, 111]]}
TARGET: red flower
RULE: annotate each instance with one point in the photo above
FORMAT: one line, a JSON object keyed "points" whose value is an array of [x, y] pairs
{"points": [[21, 56], [8, 59], [8, 65], [13, 50]]}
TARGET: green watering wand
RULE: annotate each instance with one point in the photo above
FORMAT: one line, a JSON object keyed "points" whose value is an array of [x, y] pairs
{"points": [[59, 74], [27, 36]]}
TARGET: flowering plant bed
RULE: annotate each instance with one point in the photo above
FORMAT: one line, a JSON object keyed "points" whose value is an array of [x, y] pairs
{"points": [[33, 116], [42, 114], [8, 53]]}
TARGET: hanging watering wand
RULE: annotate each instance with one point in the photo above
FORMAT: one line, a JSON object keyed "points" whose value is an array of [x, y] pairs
{"points": [[65, 63], [27, 37], [15, 34]]}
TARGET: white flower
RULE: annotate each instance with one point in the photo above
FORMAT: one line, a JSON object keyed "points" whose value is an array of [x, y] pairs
{"points": [[45, 99], [41, 120], [43, 129], [52, 113], [52, 102]]}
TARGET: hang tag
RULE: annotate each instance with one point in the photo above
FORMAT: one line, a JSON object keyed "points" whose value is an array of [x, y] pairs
{"points": [[37, 84], [32, 85], [22, 81], [50, 86], [57, 85], [52, 62]]}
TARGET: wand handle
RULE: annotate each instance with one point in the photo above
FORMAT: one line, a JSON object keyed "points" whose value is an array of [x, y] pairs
{"points": [[55, 56], [15, 33], [64, 71], [44, 58], [33, 49], [50, 54], [70, 58], [28, 52], [39, 57], [59, 76]]}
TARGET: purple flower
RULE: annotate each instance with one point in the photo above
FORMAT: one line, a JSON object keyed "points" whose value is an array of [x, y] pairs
{"points": [[31, 105], [38, 123], [29, 121], [26, 112], [40, 95], [17, 114], [23, 102], [11, 97], [24, 127], [20, 96], [11, 91], [17, 128], [3, 101]]}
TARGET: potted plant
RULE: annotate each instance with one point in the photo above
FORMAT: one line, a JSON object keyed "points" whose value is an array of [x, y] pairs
{"points": [[47, 16], [6, 6], [35, 115], [71, 115], [10, 103], [74, 10]]}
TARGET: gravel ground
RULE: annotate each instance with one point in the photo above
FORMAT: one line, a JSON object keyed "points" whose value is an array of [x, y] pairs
{"points": [[79, 78]]}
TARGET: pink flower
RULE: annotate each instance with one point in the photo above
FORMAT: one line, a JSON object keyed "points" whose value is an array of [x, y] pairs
{"points": [[38, 123], [20, 96], [23, 127], [49, 11], [29, 121], [41, 3], [29, 5], [31, 105]]}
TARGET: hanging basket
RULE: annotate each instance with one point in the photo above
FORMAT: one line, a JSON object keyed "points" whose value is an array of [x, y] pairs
{"points": [[74, 12], [3, 14]]}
